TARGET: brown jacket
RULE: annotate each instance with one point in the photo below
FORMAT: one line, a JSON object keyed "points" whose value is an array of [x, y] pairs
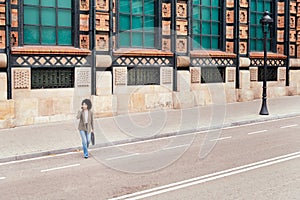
{"points": [[90, 124]]}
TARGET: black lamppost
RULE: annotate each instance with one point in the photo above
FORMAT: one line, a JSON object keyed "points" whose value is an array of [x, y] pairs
{"points": [[266, 22]]}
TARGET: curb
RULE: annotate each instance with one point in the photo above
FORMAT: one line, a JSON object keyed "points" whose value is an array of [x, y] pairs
{"points": [[119, 142]]}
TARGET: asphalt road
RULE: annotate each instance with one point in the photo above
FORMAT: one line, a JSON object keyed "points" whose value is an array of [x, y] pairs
{"points": [[256, 161]]}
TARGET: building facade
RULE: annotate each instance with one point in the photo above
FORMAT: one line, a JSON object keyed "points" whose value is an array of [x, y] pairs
{"points": [[139, 55]]}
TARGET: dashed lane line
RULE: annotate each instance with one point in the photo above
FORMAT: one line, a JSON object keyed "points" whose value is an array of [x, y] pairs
{"points": [[120, 157], [222, 138], [2, 178], [256, 132], [175, 147], [58, 168], [289, 126]]}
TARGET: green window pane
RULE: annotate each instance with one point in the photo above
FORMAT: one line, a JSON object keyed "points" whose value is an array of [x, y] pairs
{"points": [[206, 13], [253, 19], [215, 14], [252, 45], [253, 5], [149, 40], [205, 3], [259, 33], [137, 6], [31, 35], [196, 12], [267, 6], [259, 45], [49, 3], [64, 3], [260, 6], [149, 23], [48, 16], [196, 2], [124, 6], [149, 7], [64, 18], [215, 3], [137, 22], [31, 15], [64, 36], [124, 39], [253, 31], [206, 42], [196, 27], [215, 29], [124, 22], [206, 29], [137, 39], [215, 43], [31, 2], [48, 36], [196, 42]]}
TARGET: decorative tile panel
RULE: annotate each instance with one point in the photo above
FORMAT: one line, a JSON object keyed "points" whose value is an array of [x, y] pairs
{"points": [[84, 22], [230, 3], [230, 75], [253, 73], [229, 32], [292, 50], [243, 32], [230, 47], [293, 8], [181, 45], [120, 76], [166, 10], [21, 78], [181, 10], [244, 3], [243, 16], [182, 27], [166, 44], [243, 48], [230, 16], [280, 48], [102, 22], [84, 4], [293, 35], [102, 5], [2, 15], [102, 42], [14, 17], [166, 75], [2, 39], [84, 42], [280, 22], [280, 7], [282, 74], [83, 77], [14, 39], [195, 75], [280, 36], [292, 21], [166, 27], [14, 2]]}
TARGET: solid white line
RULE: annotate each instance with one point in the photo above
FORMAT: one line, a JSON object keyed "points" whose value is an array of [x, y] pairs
{"points": [[256, 132], [209, 177], [120, 157], [2, 178], [223, 138], [37, 158], [290, 126], [175, 147], [58, 168]]}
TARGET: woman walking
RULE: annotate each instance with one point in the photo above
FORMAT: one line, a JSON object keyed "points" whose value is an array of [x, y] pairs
{"points": [[86, 125]]}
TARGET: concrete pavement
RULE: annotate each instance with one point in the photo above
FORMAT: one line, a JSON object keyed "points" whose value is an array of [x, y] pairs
{"points": [[38, 140]]}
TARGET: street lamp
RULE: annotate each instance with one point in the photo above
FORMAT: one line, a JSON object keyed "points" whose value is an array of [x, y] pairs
{"points": [[266, 22]]}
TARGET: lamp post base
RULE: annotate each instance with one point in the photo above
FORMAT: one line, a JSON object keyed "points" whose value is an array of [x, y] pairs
{"points": [[264, 109]]}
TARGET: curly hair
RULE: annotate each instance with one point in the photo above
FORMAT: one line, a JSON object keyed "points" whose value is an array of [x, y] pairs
{"points": [[88, 103]]}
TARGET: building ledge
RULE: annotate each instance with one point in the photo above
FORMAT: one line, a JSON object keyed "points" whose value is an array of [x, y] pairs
{"points": [[141, 52], [213, 54], [269, 55], [49, 50]]}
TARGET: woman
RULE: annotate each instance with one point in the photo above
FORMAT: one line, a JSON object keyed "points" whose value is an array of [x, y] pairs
{"points": [[86, 125]]}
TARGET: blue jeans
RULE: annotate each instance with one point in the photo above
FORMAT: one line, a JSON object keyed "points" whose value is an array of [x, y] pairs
{"points": [[86, 139]]}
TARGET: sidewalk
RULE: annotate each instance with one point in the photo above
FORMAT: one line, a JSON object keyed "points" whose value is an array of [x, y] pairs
{"points": [[38, 140]]}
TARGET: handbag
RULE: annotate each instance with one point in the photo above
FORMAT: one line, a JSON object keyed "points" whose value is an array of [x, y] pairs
{"points": [[93, 138]]}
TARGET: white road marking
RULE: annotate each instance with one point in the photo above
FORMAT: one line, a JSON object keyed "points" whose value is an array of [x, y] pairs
{"points": [[37, 158], [175, 147], [289, 126], [207, 178], [58, 168], [124, 156], [223, 138], [2, 178], [256, 132]]}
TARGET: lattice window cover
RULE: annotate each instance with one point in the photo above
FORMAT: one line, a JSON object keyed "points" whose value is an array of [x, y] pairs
{"points": [[213, 74], [52, 78], [142, 61], [143, 76], [83, 78], [21, 79]]}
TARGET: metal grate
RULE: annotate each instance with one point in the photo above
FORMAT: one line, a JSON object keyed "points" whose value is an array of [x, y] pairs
{"points": [[143, 76], [52, 78], [213, 74], [271, 74]]}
